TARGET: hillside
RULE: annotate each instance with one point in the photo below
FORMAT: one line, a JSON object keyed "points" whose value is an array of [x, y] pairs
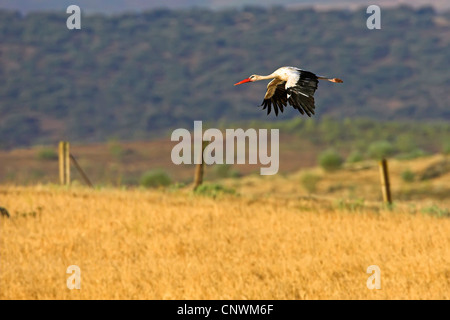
{"points": [[138, 76]]}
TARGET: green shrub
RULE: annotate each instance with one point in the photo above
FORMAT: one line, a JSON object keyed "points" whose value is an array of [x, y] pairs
{"points": [[309, 181], [330, 160], [222, 170], [380, 149], [406, 143], [355, 156], [226, 171], [213, 190], [434, 210], [155, 178], [446, 148], [130, 180], [357, 205], [177, 186], [47, 154], [408, 176], [414, 154], [235, 173]]}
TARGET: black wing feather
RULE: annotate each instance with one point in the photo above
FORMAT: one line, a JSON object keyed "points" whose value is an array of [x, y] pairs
{"points": [[304, 104], [301, 96], [279, 99]]}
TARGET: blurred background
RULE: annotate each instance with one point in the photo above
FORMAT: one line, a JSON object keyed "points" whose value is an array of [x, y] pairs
{"points": [[137, 70]]}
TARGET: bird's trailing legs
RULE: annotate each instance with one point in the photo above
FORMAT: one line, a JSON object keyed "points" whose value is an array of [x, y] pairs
{"points": [[336, 80]]}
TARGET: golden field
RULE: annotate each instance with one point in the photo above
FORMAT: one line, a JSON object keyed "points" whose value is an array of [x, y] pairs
{"points": [[271, 240]]}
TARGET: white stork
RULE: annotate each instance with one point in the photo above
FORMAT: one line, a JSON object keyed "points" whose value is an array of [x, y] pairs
{"points": [[292, 85]]}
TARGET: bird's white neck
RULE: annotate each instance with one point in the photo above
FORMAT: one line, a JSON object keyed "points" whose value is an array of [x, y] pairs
{"points": [[259, 77], [270, 76]]}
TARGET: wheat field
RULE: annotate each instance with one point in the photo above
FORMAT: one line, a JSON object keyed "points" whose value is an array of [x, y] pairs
{"points": [[139, 244]]}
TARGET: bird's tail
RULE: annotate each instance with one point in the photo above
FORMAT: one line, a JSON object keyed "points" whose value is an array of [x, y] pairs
{"points": [[336, 80]]}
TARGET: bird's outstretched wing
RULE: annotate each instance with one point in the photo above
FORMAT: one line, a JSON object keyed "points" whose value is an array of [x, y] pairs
{"points": [[303, 103], [301, 94], [276, 95]]}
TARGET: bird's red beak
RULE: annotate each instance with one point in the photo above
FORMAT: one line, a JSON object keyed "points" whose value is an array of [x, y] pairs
{"points": [[243, 81]]}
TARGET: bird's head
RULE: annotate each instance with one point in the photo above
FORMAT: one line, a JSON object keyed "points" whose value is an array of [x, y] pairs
{"points": [[252, 78]]}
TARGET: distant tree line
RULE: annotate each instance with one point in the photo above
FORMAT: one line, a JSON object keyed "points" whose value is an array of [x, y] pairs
{"points": [[137, 76]]}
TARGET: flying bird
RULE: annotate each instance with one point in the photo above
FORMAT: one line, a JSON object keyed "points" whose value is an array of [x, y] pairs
{"points": [[290, 85]]}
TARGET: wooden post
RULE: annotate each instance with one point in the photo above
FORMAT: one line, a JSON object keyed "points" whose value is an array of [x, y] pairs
{"points": [[385, 185], [200, 168], [80, 171], [198, 178], [64, 163]]}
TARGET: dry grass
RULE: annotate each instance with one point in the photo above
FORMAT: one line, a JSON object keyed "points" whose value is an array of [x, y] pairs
{"points": [[133, 244]]}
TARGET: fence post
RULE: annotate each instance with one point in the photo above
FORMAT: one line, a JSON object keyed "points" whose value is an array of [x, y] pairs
{"points": [[80, 171], [200, 168], [385, 185], [64, 163]]}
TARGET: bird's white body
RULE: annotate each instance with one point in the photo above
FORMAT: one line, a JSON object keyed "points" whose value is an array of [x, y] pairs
{"points": [[288, 74]]}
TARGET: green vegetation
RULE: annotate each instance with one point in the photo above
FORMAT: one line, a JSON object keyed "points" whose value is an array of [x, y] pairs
{"points": [[330, 160], [225, 171], [435, 210], [446, 148], [47, 154], [309, 181], [155, 178], [364, 138], [213, 190], [416, 153], [356, 206], [408, 175], [354, 157], [137, 76], [380, 149], [117, 150]]}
